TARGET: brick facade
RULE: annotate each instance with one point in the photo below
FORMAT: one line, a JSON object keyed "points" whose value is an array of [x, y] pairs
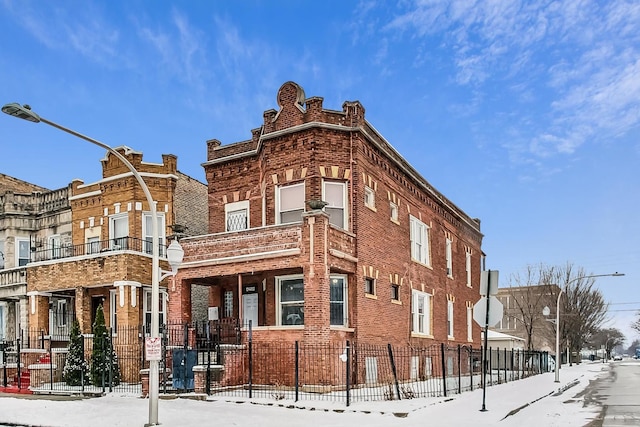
{"points": [[303, 143]]}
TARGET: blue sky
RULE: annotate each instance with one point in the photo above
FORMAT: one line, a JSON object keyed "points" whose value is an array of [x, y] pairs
{"points": [[525, 114]]}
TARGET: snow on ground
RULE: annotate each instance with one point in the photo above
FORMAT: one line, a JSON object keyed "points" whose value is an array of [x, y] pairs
{"points": [[550, 404]]}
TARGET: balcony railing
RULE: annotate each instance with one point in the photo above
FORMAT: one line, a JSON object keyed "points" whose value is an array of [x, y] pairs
{"points": [[48, 253]]}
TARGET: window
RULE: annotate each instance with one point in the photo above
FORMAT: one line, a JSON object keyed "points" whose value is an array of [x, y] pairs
{"points": [[54, 246], [369, 286], [394, 211], [93, 245], [338, 298], [162, 309], [119, 231], [113, 310], [420, 312], [369, 198], [2, 254], [228, 304], [236, 216], [3, 322], [147, 227], [450, 319], [395, 292], [469, 323], [61, 313], [22, 254], [467, 267], [289, 203], [448, 256], [335, 196], [290, 300], [419, 241]]}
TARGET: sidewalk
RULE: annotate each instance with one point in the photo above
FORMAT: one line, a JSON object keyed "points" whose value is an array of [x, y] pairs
{"points": [[535, 401]]}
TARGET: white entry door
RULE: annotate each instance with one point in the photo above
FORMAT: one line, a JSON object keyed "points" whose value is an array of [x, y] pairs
{"points": [[250, 309]]}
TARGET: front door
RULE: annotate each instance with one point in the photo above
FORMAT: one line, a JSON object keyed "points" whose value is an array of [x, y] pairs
{"points": [[250, 309]]}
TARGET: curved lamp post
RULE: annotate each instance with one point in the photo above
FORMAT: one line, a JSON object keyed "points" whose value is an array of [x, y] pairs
{"points": [[174, 251], [546, 312]]}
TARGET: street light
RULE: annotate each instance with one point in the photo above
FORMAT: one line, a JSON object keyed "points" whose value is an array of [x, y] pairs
{"points": [[546, 312], [174, 251]]}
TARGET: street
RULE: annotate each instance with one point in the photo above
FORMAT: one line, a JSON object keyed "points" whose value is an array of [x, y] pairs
{"points": [[618, 393]]}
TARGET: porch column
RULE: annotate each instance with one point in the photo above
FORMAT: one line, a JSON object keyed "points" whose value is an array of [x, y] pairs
{"points": [[315, 268], [128, 303], [83, 310], [39, 311], [179, 305]]}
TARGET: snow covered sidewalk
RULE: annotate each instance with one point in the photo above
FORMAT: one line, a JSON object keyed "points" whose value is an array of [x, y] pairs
{"points": [[535, 401]]}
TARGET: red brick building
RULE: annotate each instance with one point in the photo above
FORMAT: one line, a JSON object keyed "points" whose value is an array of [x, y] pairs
{"points": [[320, 231]]}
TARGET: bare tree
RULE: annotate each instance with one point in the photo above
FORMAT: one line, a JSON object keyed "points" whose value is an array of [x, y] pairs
{"points": [[636, 325], [529, 293], [608, 339], [583, 310]]}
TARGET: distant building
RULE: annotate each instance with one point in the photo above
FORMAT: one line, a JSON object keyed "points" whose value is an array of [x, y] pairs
{"points": [[523, 315], [320, 231]]}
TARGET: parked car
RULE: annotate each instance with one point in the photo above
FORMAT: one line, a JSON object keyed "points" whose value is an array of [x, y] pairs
{"points": [[617, 357]]}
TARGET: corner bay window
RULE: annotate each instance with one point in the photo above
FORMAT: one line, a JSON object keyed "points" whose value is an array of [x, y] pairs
{"points": [[335, 194], [420, 312]]}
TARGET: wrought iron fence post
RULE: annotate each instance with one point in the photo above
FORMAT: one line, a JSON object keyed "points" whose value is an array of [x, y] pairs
{"points": [[103, 362], [50, 367], [208, 376], [297, 367], [348, 349], [82, 363], [498, 363], [471, 365], [111, 353], [42, 339], [19, 366], [444, 369], [459, 369], [393, 370], [250, 361], [505, 365]]}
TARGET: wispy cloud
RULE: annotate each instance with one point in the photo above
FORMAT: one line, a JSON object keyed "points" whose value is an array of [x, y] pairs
{"points": [[584, 52]]}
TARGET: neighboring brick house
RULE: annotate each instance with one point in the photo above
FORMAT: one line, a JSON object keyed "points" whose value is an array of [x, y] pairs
{"points": [[385, 258], [106, 256], [31, 218]]}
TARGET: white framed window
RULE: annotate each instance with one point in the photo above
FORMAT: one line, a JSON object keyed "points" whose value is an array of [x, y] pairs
{"points": [[469, 323], [289, 203], [335, 194], [119, 231], [236, 216], [393, 208], [369, 286], [290, 300], [93, 245], [147, 232], [369, 197], [23, 249], [338, 300], [147, 306], [467, 267], [421, 312], [113, 309], [450, 319], [55, 246], [449, 257], [419, 241], [61, 313], [228, 304]]}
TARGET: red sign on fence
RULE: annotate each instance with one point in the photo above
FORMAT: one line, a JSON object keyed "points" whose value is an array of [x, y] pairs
{"points": [[153, 348]]}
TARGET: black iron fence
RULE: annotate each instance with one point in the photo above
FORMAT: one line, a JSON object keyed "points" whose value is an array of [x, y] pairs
{"points": [[47, 252], [220, 358]]}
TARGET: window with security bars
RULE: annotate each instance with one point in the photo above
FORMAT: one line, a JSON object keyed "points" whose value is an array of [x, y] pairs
{"points": [[237, 216]]}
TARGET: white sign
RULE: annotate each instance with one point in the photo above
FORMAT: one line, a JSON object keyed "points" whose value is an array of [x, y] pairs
{"points": [[488, 277], [153, 348], [495, 311]]}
